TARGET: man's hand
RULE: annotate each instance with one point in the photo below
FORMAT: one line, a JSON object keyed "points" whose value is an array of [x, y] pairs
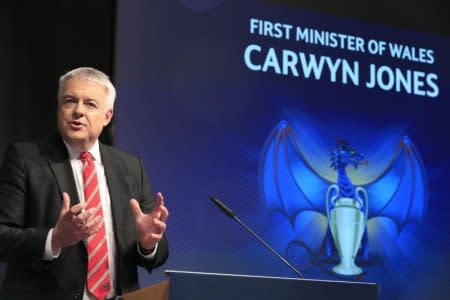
{"points": [[150, 227], [74, 224]]}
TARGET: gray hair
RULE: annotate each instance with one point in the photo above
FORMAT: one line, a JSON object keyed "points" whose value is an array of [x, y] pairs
{"points": [[89, 74]]}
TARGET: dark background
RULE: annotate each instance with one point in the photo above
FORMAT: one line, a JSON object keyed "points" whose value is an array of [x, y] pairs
{"points": [[40, 40]]}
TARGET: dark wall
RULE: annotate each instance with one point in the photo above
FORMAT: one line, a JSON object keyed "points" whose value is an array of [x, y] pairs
{"points": [[40, 41]]}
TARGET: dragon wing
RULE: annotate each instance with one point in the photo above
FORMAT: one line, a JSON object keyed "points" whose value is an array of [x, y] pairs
{"points": [[399, 192], [289, 184]]}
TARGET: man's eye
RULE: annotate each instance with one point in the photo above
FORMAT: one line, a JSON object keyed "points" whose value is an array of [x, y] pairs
{"points": [[69, 100], [92, 104]]}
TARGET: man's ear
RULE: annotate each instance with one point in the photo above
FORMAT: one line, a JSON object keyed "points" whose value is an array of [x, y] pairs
{"points": [[108, 117]]}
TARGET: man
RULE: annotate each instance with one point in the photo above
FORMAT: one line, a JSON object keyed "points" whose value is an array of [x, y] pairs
{"points": [[76, 216]]}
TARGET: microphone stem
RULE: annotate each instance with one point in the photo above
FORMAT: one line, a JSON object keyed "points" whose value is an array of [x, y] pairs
{"points": [[268, 247]]}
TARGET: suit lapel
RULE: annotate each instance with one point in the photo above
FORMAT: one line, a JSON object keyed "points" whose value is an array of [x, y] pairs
{"points": [[59, 163], [116, 180]]}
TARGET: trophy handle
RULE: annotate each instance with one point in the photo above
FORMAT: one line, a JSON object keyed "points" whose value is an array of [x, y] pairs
{"points": [[364, 200], [332, 188]]}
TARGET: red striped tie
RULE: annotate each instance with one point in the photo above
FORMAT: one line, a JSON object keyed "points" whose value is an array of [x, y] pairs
{"points": [[98, 281]]}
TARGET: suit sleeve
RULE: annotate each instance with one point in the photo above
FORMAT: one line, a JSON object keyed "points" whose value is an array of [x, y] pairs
{"points": [[146, 202], [17, 241]]}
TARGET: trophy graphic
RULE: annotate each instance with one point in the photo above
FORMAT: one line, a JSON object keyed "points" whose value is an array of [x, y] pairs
{"points": [[347, 224]]}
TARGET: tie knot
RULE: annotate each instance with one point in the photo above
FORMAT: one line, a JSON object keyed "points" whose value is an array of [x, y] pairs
{"points": [[84, 156]]}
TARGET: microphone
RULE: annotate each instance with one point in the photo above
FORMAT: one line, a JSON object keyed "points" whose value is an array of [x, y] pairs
{"points": [[232, 215]]}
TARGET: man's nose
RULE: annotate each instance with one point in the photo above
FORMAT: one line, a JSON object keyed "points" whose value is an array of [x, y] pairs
{"points": [[79, 109]]}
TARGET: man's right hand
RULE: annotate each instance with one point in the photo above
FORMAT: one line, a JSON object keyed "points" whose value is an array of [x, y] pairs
{"points": [[74, 224]]}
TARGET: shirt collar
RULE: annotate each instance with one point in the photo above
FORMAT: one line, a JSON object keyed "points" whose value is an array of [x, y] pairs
{"points": [[75, 154]]}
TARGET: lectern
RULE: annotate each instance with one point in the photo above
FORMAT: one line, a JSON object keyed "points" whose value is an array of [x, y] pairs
{"points": [[183, 285]]}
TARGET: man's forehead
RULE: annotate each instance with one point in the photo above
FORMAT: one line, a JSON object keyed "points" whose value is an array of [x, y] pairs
{"points": [[75, 85]]}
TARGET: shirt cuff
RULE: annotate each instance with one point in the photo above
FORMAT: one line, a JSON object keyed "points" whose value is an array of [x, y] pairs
{"points": [[147, 256], [48, 252]]}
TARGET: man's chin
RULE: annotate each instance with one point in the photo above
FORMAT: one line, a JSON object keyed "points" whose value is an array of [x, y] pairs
{"points": [[77, 141]]}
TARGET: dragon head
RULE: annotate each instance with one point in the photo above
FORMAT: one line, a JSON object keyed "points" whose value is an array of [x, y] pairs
{"points": [[344, 154]]}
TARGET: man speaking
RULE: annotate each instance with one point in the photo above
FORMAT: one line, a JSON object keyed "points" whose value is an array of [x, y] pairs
{"points": [[76, 216]]}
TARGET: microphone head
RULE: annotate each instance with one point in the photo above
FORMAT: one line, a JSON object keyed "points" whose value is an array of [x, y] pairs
{"points": [[222, 207]]}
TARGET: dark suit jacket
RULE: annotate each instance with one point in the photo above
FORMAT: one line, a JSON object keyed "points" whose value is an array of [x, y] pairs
{"points": [[32, 180]]}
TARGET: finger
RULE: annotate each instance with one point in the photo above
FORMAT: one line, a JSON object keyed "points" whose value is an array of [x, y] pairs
{"points": [[93, 223], [135, 208], [91, 229], [156, 213], [159, 199], [156, 236], [160, 208], [76, 209], [159, 226], [95, 228], [83, 217], [65, 205], [164, 214], [73, 211]]}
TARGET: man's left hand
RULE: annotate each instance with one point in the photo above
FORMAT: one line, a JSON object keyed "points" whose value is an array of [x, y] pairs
{"points": [[150, 227]]}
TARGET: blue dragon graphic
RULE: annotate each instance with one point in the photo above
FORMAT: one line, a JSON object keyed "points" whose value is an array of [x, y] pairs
{"points": [[292, 185], [341, 157]]}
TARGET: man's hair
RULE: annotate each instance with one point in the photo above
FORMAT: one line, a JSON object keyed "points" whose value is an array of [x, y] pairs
{"points": [[89, 74]]}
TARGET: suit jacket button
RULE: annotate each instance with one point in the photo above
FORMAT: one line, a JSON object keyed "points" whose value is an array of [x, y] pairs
{"points": [[77, 296]]}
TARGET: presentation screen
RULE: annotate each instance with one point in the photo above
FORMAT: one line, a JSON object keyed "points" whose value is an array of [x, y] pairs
{"points": [[328, 136]]}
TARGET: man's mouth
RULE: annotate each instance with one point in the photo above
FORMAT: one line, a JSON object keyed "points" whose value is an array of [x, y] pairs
{"points": [[76, 125]]}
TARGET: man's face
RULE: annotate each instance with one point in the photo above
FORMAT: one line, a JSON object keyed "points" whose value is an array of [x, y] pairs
{"points": [[82, 113]]}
